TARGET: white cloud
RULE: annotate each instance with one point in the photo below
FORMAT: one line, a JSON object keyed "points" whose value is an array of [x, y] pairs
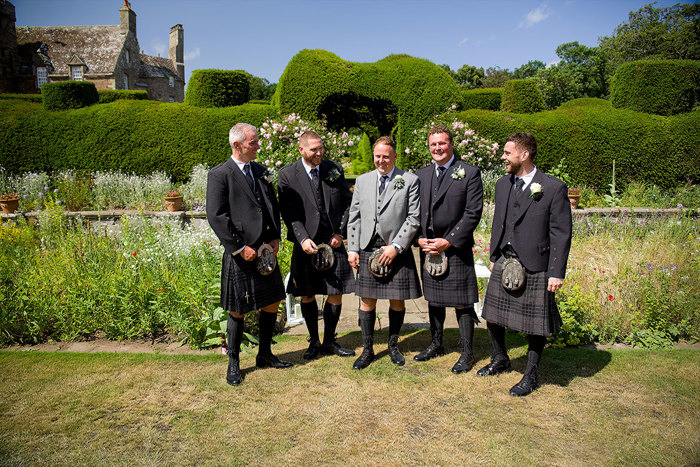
{"points": [[158, 46], [552, 63], [535, 16], [463, 41], [192, 54]]}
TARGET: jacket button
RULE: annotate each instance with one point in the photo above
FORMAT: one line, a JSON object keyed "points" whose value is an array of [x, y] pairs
{"points": [[259, 210]]}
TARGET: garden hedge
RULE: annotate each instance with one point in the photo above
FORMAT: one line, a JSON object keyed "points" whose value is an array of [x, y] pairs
{"points": [[522, 96], [111, 95], [589, 133], [482, 98], [24, 97], [663, 87], [217, 88], [128, 135], [418, 88], [66, 95]]}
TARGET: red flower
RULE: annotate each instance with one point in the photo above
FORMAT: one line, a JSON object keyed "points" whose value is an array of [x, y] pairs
{"points": [[134, 255], [611, 298]]}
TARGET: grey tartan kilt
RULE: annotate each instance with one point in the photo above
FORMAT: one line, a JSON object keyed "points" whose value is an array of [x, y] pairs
{"points": [[244, 289], [456, 288], [307, 280], [401, 284], [531, 310]]}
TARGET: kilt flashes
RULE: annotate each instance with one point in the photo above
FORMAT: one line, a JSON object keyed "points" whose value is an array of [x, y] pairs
{"points": [[306, 280], [401, 284], [457, 287], [244, 289], [532, 309]]}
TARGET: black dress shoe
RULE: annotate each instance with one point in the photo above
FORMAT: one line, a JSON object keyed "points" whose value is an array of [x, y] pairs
{"points": [[465, 363], [434, 350], [271, 361], [526, 385], [365, 358], [495, 367], [394, 353], [233, 374], [333, 348], [313, 350]]}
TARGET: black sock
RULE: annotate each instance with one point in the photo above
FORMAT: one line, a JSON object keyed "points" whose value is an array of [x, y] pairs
{"points": [[535, 346], [395, 321], [366, 320], [465, 321], [310, 313], [267, 328], [234, 334], [497, 333], [331, 316], [436, 317]]}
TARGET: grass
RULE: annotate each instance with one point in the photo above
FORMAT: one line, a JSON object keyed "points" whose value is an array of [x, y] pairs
{"points": [[595, 407]]}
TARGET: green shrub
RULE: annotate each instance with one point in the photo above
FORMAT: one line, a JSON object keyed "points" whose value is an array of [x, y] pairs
{"points": [[69, 95], [663, 87], [522, 96], [24, 97], [259, 101], [217, 88], [483, 98], [575, 309], [364, 157], [111, 95]]}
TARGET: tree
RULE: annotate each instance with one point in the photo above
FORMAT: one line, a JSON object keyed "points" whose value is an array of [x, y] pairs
{"points": [[449, 71], [588, 66], [469, 76], [495, 77], [529, 69], [557, 87], [260, 88], [656, 33]]}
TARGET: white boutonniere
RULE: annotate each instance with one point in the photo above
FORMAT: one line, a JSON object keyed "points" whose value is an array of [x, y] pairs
{"points": [[333, 175], [399, 182], [269, 175], [535, 190], [458, 174]]}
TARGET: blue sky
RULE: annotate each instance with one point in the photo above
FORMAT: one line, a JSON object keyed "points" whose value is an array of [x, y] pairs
{"points": [[262, 36]]}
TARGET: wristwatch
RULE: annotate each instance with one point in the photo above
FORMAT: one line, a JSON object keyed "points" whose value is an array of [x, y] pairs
{"points": [[397, 248]]}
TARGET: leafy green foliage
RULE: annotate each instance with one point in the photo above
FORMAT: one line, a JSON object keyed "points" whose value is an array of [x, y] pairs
{"points": [[482, 98], [364, 157], [495, 77], [25, 97], [217, 88], [663, 87], [575, 308], [522, 96], [66, 95], [111, 95], [529, 69]]}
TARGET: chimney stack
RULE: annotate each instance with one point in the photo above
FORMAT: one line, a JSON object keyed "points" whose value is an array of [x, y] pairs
{"points": [[127, 19], [176, 51]]}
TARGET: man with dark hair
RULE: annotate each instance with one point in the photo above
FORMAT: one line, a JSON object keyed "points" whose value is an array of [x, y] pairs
{"points": [[242, 210], [451, 199], [530, 242], [382, 223], [314, 200]]}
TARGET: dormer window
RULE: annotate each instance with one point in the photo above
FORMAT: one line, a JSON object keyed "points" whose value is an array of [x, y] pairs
{"points": [[171, 82], [42, 77], [126, 56], [76, 73]]}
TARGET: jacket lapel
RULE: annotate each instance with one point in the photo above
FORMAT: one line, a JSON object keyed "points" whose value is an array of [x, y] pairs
{"points": [[239, 178], [526, 200], [323, 171], [447, 180], [304, 181], [389, 190]]}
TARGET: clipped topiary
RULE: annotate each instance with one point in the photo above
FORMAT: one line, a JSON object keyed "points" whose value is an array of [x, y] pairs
{"points": [[482, 98], [364, 157], [522, 96], [23, 97], [217, 88], [111, 95], [66, 95], [663, 87]]}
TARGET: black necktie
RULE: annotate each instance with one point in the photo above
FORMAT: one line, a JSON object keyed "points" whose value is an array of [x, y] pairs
{"points": [[382, 184], [249, 177], [441, 170], [314, 178], [519, 183]]}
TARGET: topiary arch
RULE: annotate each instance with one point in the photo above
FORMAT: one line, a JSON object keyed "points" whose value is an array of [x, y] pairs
{"points": [[316, 81]]}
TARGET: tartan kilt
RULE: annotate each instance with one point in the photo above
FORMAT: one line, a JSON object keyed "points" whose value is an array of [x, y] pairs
{"points": [[305, 280], [457, 287], [240, 277], [531, 310], [401, 284]]}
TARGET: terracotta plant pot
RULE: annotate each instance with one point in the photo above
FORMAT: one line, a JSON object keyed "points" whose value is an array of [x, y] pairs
{"points": [[173, 203], [9, 206], [574, 197]]}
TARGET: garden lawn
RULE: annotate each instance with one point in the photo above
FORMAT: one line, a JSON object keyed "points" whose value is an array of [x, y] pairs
{"points": [[631, 407]]}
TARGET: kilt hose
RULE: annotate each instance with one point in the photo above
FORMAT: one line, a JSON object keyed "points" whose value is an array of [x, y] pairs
{"points": [[401, 284], [306, 280], [244, 289], [457, 287], [531, 310]]}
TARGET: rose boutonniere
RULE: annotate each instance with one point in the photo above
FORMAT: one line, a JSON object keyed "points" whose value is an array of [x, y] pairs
{"points": [[269, 175], [333, 175], [535, 190], [399, 182], [458, 173]]}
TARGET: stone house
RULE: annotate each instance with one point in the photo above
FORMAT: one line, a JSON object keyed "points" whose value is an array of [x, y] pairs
{"points": [[108, 56]]}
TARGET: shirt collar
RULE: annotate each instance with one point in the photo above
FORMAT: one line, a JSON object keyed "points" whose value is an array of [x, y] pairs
{"points": [[308, 168], [446, 166], [390, 174], [240, 164], [528, 178]]}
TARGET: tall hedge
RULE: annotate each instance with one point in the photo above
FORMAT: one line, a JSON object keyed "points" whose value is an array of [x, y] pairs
{"points": [[217, 88], [66, 95], [482, 98], [522, 96], [418, 88], [589, 133], [24, 97], [111, 95], [663, 87], [129, 135]]}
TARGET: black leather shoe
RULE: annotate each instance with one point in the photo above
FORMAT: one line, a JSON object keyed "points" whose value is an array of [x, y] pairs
{"points": [[365, 358], [465, 363], [495, 367], [271, 361], [394, 353], [313, 350], [526, 385], [333, 348], [433, 350], [233, 374]]}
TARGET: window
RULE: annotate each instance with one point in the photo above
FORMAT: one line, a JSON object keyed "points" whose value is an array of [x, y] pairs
{"points": [[171, 82], [126, 81], [171, 100], [127, 57], [41, 76], [76, 73]]}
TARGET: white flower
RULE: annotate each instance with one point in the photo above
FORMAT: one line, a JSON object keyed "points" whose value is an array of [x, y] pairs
{"points": [[399, 182], [535, 189], [458, 174]]}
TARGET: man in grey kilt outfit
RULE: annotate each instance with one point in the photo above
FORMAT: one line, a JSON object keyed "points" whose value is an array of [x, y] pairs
{"points": [[314, 200], [384, 215], [242, 210], [531, 224], [451, 199]]}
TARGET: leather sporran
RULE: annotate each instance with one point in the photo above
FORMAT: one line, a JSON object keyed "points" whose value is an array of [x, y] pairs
{"points": [[266, 261], [436, 265], [323, 259], [512, 275], [375, 268]]}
